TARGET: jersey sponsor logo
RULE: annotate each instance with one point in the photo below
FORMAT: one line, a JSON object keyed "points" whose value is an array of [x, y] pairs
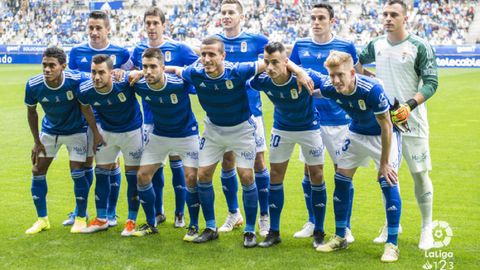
{"points": [[193, 155], [243, 46], [168, 56], [69, 95], [248, 155], [45, 99], [362, 105], [84, 60], [229, 84], [122, 97], [294, 93], [383, 101], [114, 59], [316, 152], [173, 99], [136, 154]]}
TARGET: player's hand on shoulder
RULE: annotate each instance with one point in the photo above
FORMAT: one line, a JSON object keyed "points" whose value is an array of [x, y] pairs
{"points": [[304, 80], [118, 74], [134, 76]]}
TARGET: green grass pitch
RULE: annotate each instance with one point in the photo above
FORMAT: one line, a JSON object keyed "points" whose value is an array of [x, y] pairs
{"points": [[455, 145]]}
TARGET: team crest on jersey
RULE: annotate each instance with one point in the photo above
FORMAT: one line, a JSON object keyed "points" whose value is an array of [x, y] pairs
{"points": [[168, 56], [229, 84], [69, 95], [114, 59], [173, 98], [122, 97], [294, 93], [361, 104], [243, 46]]}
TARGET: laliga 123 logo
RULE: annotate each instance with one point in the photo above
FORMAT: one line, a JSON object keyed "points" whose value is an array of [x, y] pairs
{"points": [[442, 234]]}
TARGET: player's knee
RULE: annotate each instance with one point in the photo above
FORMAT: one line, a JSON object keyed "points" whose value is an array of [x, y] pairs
{"points": [[204, 176], [143, 178], [276, 177], [305, 169], [228, 161], [190, 178], [259, 162], [317, 177], [38, 171]]}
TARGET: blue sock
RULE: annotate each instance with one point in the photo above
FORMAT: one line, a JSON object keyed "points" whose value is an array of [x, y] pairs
{"points": [[230, 189], [158, 183], [193, 204], [39, 194], [275, 200], [350, 206], [178, 182], [80, 188], [147, 198], [341, 199], [115, 181], [250, 205], [89, 175], [319, 205], [206, 196], [393, 207], [262, 179], [102, 191], [307, 192], [132, 195]]}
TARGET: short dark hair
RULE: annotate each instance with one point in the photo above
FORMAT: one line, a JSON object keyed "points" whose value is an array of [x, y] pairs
{"points": [[400, 2], [154, 11], [57, 53], [100, 15], [103, 58], [274, 46], [214, 40], [153, 53], [326, 6], [236, 2]]}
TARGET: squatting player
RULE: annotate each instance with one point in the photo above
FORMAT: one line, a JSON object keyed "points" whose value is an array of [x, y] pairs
{"points": [[295, 120], [175, 129], [228, 127], [121, 127], [175, 54], [80, 59], [311, 52], [57, 91], [370, 136], [406, 64], [244, 47]]}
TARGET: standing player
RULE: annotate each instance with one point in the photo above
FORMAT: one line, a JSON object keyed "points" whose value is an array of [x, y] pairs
{"points": [[57, 90], [228, 127], [312, 53], [174, 129], [406, 64], [120, 121], [295, 121], [80, 59], [175, 54], [370, 136], [244, 47]]}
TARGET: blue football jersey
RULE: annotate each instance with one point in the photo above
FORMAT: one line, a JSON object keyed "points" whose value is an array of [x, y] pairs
{"points": [[246, 47], [293, 111], [170, 107], [62, 111], [224, 98], [367, 100], [80, 57], [309, 54], [118, 110], [175, 54]]}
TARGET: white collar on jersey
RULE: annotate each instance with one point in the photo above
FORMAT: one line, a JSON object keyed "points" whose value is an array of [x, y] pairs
{"points": [[239, 34], [163, 87], [106, 93], [285, 83], [325, 43], [219, 76], [355, 88], [98, 50], [51, 88], [159, 46]]}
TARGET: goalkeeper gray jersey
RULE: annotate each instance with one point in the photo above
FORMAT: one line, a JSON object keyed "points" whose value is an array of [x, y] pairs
{"points": [[405, 69]]}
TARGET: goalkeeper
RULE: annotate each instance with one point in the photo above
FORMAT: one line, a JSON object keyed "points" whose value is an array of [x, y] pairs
{"points": [[406, 64]]}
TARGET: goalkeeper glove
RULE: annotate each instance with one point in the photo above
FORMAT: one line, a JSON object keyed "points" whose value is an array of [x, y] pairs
{"points": [[401, 113]]}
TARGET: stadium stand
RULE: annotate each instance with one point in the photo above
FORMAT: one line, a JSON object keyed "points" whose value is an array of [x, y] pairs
{"points": [[63, 22]]}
